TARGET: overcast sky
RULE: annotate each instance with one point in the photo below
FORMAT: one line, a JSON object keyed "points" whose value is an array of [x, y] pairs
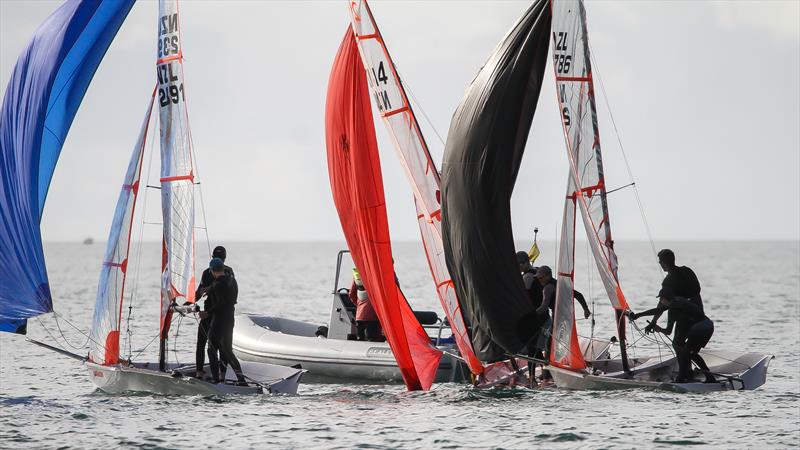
{"points": [[706, 97]]}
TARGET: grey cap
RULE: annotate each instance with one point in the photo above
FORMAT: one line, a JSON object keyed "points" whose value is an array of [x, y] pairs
{"points": [[216, 263], [542, 271]]}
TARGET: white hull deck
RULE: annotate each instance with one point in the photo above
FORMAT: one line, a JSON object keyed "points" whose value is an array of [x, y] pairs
{"points": [[145, 377], [289, 342], [737, 371]]}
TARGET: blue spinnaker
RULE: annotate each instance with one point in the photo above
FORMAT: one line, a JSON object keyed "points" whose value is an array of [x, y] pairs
{"points": [[44, 93]]}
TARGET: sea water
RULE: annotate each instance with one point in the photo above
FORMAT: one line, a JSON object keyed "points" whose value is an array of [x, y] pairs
{"points": [[751, 290]]}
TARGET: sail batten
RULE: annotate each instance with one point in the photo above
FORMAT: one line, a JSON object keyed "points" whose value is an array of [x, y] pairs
{"points": [[397, 114]]}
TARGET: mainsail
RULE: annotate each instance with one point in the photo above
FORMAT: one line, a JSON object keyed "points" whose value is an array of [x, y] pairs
{"points": [[398, 116], [177, 175], [484, 149], [44, 93], [357, 187], [111, 288], [586, 188]]}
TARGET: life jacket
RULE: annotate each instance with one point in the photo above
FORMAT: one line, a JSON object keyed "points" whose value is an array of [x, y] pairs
{"points": [[535, 290]]}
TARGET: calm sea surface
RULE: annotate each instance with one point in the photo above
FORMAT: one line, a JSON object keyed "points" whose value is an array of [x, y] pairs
{"points": [[750, 290]]}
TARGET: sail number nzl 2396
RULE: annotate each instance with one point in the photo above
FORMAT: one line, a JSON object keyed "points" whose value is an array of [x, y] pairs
{"points": [[170, 85]]}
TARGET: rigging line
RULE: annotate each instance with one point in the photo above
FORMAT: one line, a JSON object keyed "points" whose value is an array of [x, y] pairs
{"points": [[55, 340], [175, 340], [621, 187], [88, 338], [596, 70], [196, 168], [421, 109], [138, 258]]}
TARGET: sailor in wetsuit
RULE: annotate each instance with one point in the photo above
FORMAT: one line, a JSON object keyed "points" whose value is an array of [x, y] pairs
{"points": [[204, 326], [698, 328], [682, 283], [534, 290], [225, 291]]}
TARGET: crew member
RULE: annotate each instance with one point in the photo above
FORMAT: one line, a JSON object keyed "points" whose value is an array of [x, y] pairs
{"points": [[367, 324], [682, 283], [549, 285], [225, 291], [541, 323], [699, 329], [205, 319]]}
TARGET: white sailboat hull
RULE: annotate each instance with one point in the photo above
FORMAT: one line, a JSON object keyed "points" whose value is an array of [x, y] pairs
{"points": [[144, 377], [287, 342], [742, 370]]}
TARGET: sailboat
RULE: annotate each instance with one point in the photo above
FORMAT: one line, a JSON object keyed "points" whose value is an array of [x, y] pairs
{"points": [[107, 369], [484, 149], [398, 115]]}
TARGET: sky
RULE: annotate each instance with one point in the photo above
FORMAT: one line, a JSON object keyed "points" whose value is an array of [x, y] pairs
{"points": [[705, 98]]}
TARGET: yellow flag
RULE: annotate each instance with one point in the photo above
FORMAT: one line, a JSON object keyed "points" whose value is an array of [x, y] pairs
{"points": [[533, 253]]}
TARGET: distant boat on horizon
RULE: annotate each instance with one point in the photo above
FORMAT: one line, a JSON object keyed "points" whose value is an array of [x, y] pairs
{"points": [[88, 241]]}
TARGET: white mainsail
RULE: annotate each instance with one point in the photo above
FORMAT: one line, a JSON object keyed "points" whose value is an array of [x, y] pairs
{"points": [[586, 188], [422, 173], [177, 175], [111, 288]]}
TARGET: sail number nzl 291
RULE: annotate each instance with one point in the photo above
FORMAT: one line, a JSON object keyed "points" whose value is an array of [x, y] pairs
{"points": [[170, 84]]}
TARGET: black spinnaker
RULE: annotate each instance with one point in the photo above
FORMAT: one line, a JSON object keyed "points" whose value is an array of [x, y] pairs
{"points": [[482, 156]]}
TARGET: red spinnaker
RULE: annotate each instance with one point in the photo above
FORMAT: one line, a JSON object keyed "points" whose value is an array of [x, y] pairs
{"points": [[354, 168]]}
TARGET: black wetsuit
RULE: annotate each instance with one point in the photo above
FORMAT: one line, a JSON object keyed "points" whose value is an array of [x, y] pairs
{"points": [[225, 291], [698, 331], [683, 283], [204, 326]]}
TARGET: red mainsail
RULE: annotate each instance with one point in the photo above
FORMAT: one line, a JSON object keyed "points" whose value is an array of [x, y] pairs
{"points": [[354, 168]]}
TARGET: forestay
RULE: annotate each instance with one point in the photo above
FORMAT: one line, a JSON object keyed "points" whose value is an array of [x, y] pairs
{"points": [[398, 116], [44, 93], [177, 175], [111, 288], [586, 188], [357, 188]]}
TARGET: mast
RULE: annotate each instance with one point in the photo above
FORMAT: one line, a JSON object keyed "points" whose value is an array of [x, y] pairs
{"points": [[575, 91], [177, 174], [113, 275], [420, 169]]}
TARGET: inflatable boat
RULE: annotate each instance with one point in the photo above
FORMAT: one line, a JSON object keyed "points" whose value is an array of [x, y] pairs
{"points": [[330, 352]]}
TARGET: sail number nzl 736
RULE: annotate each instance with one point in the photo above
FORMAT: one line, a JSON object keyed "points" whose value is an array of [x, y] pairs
{"points": [[170, 86], [562, 62]]}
